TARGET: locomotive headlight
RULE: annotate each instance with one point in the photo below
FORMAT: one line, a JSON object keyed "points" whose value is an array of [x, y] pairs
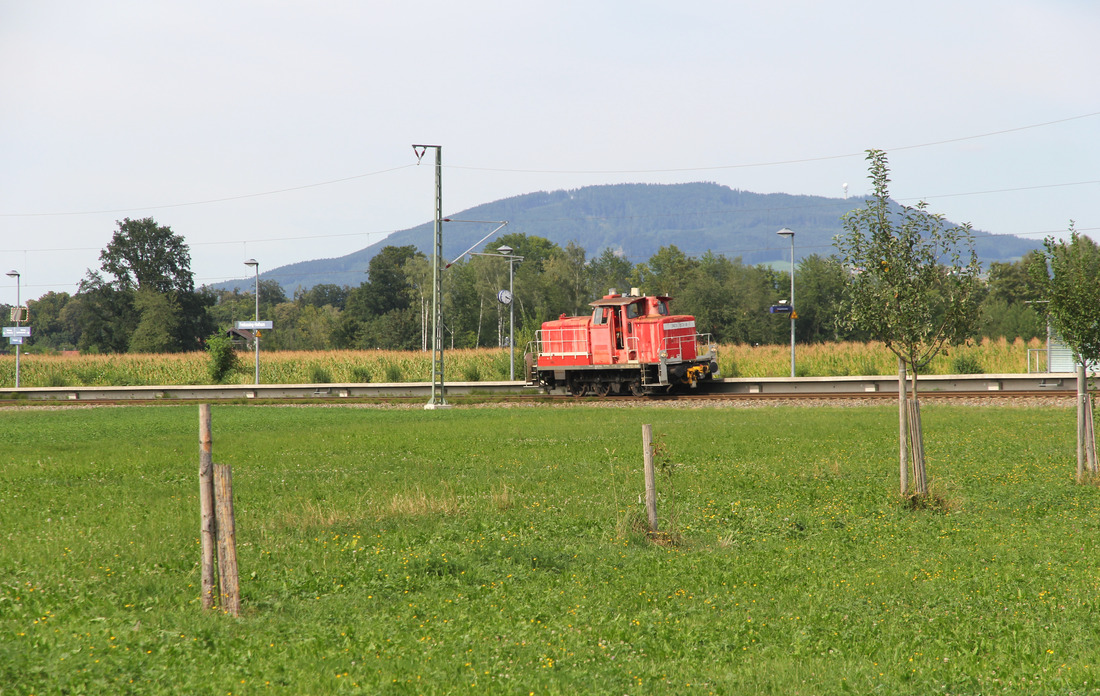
{"points": [[663, 355]]}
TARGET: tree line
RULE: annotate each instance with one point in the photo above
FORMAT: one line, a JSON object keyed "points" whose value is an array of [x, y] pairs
{"points": [[142, 298]]}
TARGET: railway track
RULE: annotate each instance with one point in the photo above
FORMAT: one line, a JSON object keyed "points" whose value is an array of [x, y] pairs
{"points": [[984, 388]]}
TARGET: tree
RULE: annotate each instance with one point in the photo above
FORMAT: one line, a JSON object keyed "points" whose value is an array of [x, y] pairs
{"points": [[1070, 281], [665, 273], [564, 283], [606, 271], [389, 286], [155, 332], [819, 286], [104, 313], [144, 254], [912, 285], [50, 328], [322, 295], [1008, 308], [143, 260]]}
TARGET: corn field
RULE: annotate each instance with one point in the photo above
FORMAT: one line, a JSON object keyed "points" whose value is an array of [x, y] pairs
{"points": [[990, 356], [474, 365]]}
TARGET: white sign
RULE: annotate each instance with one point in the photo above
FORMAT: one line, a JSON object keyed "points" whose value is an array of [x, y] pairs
{"points": [[680, 325], [21, 331], [15, 340], [254, 325]]}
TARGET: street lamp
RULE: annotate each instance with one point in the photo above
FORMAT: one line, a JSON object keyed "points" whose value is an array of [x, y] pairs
{"points": [[18, 321], [256, 335], [506, 250], [790, 233], [507, 297]]}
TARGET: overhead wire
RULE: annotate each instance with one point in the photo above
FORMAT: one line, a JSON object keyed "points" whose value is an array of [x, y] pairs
{"points": [[635, 171], [804, 160], [222, 199], [775, 163]]}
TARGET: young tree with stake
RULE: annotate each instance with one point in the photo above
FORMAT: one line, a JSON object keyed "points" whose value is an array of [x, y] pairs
{"points": [[1069, 275], [912, 284]]}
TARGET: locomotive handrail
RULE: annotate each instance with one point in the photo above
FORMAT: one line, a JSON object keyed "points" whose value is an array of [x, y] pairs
{"points": [[577, 337], [674, 345]]}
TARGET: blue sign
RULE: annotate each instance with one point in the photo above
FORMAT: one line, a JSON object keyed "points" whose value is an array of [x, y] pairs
{"points": [[254, 325], [780, 309], [20, 331]]}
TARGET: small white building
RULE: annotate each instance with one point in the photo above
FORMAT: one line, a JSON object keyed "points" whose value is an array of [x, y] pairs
{"points": [[1060, 358]]}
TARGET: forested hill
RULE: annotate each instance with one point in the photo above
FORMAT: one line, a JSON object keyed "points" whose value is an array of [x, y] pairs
{"points": [[636, 220]]}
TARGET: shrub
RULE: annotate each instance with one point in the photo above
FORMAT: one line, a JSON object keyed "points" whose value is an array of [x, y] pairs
{"points": [[56, 380], [471, 372], [966, 364], [319, 375], [867, 365], [393, 372], [223, 358], [360, 373]]}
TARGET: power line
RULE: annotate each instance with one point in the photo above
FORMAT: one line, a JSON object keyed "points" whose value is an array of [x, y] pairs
{"points": [[776, 163], [212, 200], [329, 182], [1007, 190], [237, 241]]}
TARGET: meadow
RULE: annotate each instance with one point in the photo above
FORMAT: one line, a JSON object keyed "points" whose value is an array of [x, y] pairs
{"points": [[476, 365], [502, 550]]}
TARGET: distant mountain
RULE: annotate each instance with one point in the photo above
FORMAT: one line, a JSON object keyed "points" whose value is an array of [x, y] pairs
{"points": [[636, 220]]}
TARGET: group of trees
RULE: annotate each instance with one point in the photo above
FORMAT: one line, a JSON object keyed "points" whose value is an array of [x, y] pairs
{"points": [[143, 299], [915, 285]]}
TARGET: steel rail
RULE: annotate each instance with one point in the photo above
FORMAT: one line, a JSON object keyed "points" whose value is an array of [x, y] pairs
{"points": [[883, 386]]}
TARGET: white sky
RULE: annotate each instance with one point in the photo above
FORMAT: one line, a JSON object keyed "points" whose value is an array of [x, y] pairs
{"points": [[118, 108]]}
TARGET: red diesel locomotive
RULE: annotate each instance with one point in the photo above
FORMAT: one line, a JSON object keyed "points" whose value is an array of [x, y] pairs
{"points": [[630, 343]]}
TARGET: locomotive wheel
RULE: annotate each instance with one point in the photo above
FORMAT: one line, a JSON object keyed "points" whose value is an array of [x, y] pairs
{"points": [[577, 387], [603, 388], [636, 388]]}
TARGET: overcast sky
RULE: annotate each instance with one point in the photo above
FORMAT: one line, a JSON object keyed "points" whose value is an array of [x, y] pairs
{"points": [[283, 130]]}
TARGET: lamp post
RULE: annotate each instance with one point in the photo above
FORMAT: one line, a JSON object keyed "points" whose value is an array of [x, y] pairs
{"points": [[256, 336], [509, 298], [18, 320], [790, 233], [507, 251]]}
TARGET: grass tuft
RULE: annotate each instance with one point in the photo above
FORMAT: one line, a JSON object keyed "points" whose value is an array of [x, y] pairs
{"points": [[418, 503]]}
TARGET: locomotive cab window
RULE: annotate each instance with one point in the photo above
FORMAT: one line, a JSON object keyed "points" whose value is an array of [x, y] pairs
{"points": [[634, 310], [662, 308], [600, 316]]}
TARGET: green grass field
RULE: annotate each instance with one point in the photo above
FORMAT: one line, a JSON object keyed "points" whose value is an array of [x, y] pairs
{"points": [[490, 550]]}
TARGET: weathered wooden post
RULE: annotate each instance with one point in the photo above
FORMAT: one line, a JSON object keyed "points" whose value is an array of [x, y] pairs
{"points": [[206, 505], [903, 428], [650, 477], [227, 540], [1082, 429], [1090, 437]]}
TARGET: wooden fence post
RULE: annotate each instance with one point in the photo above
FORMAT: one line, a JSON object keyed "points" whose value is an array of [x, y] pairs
{"points": [[206, 505], [650, 477], [227, 540], [903, 428], [1090, 437]]}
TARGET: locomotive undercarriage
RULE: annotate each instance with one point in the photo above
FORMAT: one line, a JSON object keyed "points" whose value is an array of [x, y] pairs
{"points": [[632, 379]]}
